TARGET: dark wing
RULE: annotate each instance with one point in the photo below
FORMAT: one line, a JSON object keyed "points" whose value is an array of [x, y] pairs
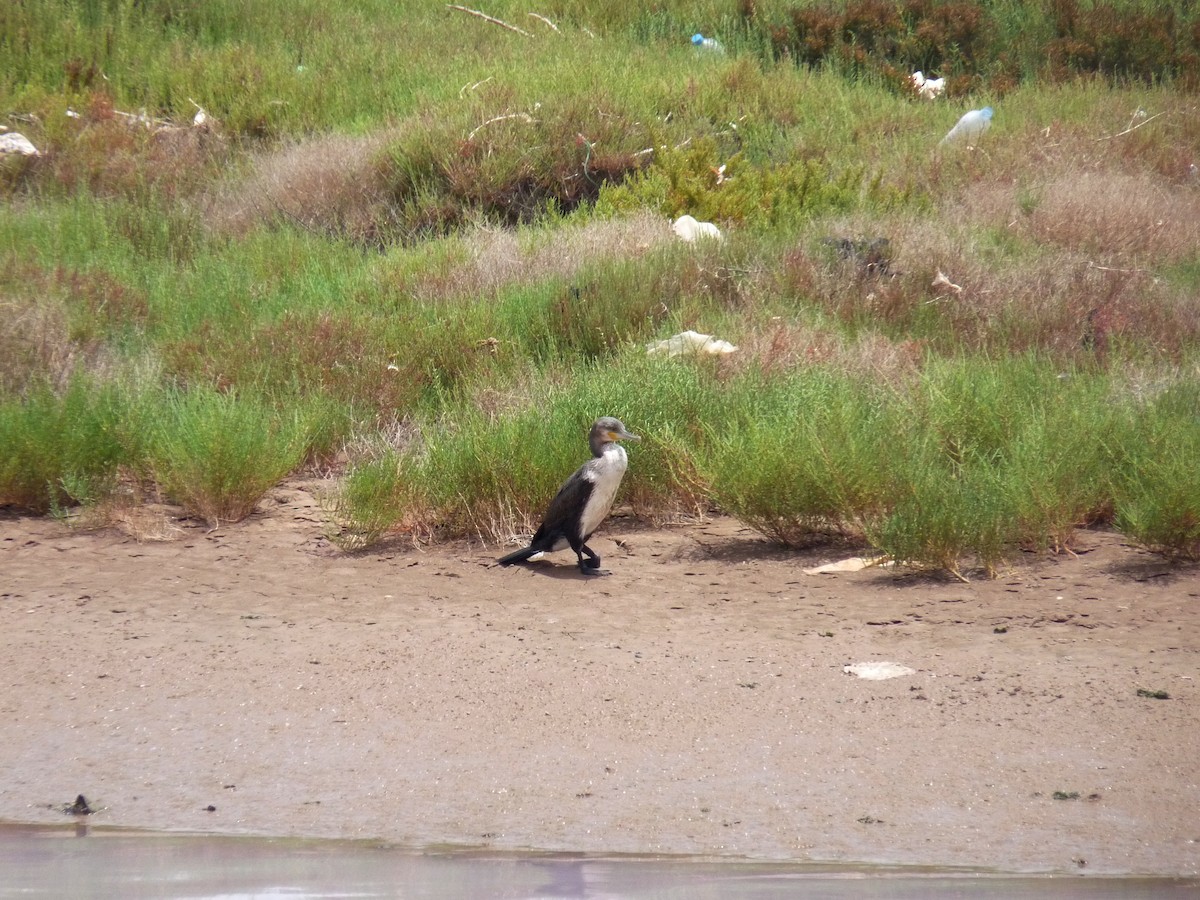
{"points": [[563, 513]]}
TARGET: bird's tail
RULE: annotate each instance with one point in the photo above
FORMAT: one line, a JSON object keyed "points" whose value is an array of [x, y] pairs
{"points": [[517, 556]]}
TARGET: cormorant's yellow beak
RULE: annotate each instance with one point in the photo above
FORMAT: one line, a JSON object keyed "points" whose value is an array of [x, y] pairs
{"points": [[622, 436]]}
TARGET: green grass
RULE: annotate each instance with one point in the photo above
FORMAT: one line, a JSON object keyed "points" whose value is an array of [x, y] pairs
{"points": [[217, 454], [433, 248], [1007, 455], [63, 447], [803, 459], [1158, 494]]}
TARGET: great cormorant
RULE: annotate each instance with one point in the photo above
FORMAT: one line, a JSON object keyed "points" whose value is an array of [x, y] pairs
{"points": [[584, 500]]}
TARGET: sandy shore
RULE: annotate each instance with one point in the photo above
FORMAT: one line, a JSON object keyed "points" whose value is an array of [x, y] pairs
{"points": [[255, 680]]}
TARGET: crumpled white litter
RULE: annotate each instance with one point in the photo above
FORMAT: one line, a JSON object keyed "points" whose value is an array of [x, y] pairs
{"points": [[853, 564], [878, 671], [929, 88], [17, 143], [690, 230], [690, 342], [940, 281]]}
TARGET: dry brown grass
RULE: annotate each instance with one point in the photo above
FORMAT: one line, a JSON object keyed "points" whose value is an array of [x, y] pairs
{"points": [[53, 321], [423, 179], [332, 184], [484, 260], [331, 353], [112, 153], [1078, 259], [35, 343], [783, 345], [1069, 263], [1139, 218], [135, 509]]}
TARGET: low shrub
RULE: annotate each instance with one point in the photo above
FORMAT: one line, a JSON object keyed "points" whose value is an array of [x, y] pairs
{"points": [[1011, 453], [510, 168], [60, 448], [804, 458], [1158, 493], [217, 453], [489, 474], [685, 180], [946, 514], [369, 503]]}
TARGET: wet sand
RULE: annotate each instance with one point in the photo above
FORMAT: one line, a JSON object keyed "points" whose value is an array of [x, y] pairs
{"points": [[47, 862], [254, 680]]}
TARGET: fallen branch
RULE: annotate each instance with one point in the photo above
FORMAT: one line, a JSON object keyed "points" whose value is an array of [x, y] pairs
{"points": [[544, 19], [487, 18], [1109, 137]]}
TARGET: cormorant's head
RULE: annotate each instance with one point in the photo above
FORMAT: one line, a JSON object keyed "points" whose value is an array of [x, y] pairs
{"points": [[608, 431]]}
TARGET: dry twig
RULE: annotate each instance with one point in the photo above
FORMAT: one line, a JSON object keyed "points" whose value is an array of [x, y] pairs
{"points": [[544, 19], [487, 18], [471, 87], [1109, 137], [524, 116]]}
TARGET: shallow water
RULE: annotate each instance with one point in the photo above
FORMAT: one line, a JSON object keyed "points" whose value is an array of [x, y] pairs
{"points": [[102, 863]]}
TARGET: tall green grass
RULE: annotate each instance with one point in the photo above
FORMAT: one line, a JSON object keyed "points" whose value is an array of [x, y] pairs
{"points": [[1158, 493], [805, 458], [65, 448], [1008, 455], [965, 467], [218, 453], [487, 473]]}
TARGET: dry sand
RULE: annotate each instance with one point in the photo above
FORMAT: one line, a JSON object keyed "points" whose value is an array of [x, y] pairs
{"points": [[253, 679]]}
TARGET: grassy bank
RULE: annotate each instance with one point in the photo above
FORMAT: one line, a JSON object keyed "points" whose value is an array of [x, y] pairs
{"points": [[424, 251]]}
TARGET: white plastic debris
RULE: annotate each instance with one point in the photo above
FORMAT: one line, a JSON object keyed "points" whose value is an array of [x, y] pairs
{"points": [[690, 230], [941, 281], [853, 564], [928, 88], [201, 118], [14, 142], [708, 44], [690, 342], [878, 671], [970, 127]]}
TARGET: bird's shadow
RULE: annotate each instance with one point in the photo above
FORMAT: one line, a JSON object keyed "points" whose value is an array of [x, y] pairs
{"points": [[1157, 570], [739, 548], [561, 572]]}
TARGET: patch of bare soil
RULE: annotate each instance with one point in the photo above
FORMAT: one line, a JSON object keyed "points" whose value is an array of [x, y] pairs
{"points": [[253, 679]]}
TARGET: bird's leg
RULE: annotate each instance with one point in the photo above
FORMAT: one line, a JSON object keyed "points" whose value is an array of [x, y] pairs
{"points": [[591, 565]]}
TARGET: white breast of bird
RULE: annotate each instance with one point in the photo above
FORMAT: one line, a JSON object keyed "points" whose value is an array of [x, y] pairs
{"points": [[605, 474]]}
